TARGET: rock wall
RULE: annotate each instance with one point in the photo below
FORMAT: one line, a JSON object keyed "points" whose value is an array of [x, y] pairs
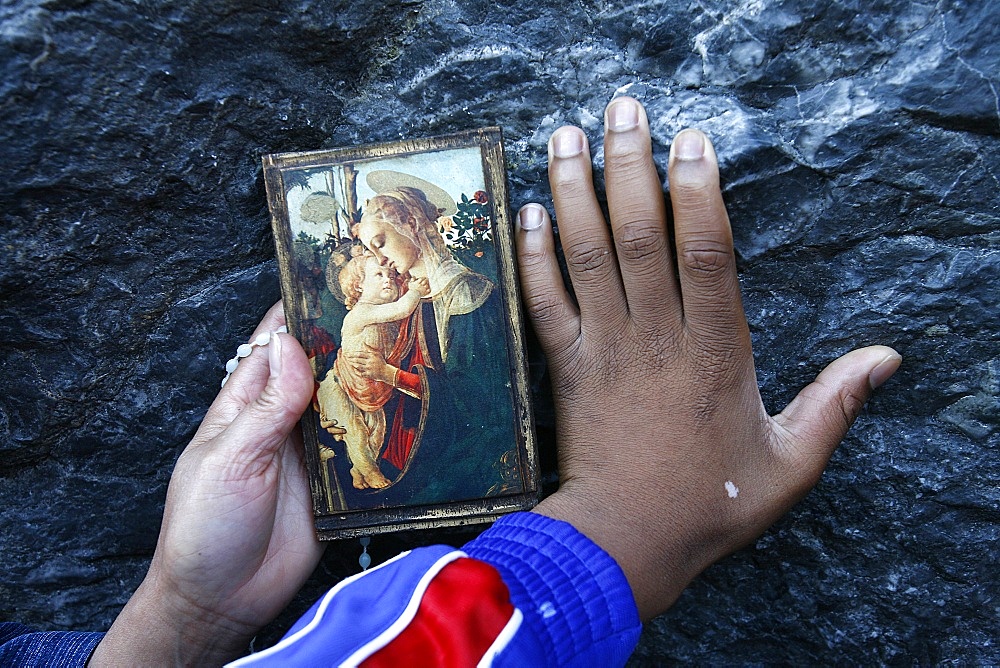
{"points": [[858, 143]]}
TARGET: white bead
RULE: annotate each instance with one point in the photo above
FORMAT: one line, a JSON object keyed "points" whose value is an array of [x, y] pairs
{"points": [[283, 329], [224, 380], [232, 364], [364, 561], [244, 350], [262, 339]]}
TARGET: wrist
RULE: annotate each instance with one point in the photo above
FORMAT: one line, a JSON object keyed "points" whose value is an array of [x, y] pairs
{"points": [[157, 627], [658, 562], [388, 375]]}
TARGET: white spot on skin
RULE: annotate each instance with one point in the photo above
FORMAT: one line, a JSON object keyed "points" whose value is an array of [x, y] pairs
{"points": [[732, 490]]}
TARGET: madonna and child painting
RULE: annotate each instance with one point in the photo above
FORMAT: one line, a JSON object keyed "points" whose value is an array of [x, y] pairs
{"points": [[399, 281]]}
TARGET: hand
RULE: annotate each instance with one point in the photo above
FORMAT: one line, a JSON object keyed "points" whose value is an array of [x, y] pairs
{"points": [[322, 398], [667, 457], [237, 540], [369, 364], [421, 285], [331, 426]]}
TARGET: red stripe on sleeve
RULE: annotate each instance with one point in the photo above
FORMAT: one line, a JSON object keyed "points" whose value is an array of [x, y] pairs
{"points": [[462, 612]]}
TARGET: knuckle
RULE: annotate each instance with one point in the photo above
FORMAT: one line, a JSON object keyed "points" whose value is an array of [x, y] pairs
{"points": [[706, 257], [532, 258], [572, 369], [626, 159], [270, 401], [543, 309], [718, 363], [714, 369], [693, 192], [569, 184], [851, 404], [588, 259], [640, 240]]}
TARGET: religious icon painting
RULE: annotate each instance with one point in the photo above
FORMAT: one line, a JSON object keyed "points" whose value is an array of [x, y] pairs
{"points": [[398, 277]]}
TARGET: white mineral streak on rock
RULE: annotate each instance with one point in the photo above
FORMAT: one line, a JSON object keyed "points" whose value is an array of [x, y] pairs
{"points": [[460, 56], [827, 109], [704, 39], [918, 64]]}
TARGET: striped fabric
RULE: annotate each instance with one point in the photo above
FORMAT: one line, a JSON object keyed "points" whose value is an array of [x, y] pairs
{"points": [[22, 646], [529, 591], [429, 607]]}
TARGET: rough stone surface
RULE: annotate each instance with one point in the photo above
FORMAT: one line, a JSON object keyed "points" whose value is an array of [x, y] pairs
{"points": [[858, 142]]}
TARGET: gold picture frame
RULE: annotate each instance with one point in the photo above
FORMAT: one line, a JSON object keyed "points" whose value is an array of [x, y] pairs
{"points": [[399, 279]]}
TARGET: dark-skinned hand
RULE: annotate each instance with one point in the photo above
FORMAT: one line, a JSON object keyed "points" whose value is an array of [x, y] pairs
{"points": [[667, 456]]}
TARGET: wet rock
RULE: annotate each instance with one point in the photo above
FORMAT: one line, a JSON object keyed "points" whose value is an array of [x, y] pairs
{"points": [[858, 148]]}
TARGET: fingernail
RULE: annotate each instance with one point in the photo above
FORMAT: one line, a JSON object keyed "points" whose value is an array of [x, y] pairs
{"points": [[567, 143], [884, 370], [622, 115], [274, 355], [689, 145], [530, 217]]}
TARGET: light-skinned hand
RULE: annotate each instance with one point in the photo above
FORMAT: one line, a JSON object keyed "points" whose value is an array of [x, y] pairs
{"points": [[667, 456], [369, 363], [421, 285], [237, 539]]}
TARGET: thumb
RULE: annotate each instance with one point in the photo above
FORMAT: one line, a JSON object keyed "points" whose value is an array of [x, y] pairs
{"points": [[264, 424], [815, 422]]}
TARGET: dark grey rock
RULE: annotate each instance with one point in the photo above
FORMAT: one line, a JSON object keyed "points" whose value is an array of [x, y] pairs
{"points": [[858, 144]]}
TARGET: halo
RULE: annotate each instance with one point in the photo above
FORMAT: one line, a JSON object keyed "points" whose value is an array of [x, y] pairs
{"points": [[333, 282], [339, 257], [384, 180]]}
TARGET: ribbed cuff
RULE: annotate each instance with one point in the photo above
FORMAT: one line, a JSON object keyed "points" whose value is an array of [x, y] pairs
{"points": [[573, 595]]}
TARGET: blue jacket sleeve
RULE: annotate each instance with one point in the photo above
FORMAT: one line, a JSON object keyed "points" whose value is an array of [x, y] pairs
{"points": [[578, 607], [566, 603], [21, 646]]}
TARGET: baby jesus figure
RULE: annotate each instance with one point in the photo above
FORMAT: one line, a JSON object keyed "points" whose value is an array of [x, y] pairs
{"points": [[351, 406]]}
